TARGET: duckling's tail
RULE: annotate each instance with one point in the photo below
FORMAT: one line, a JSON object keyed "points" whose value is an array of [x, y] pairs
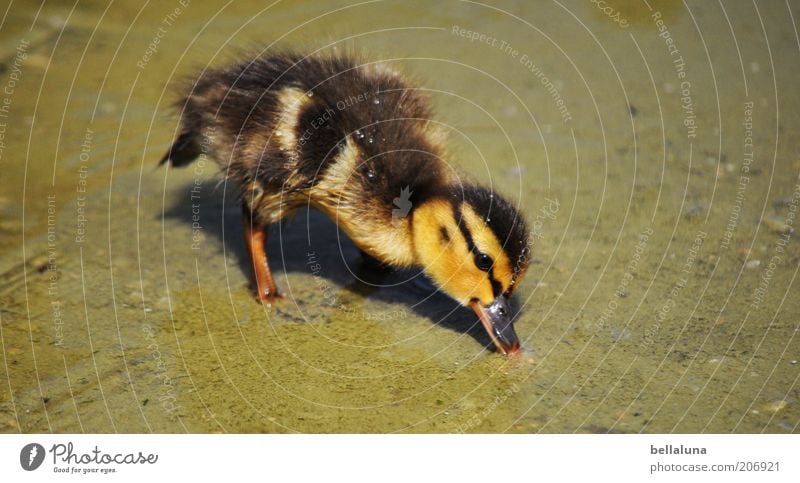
{"points": [[183, 151]]}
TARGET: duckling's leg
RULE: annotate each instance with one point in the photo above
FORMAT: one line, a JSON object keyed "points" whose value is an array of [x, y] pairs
{"points": [[255, 238]]}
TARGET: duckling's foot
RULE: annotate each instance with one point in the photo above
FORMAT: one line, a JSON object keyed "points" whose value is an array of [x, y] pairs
{"points": [[265, 288], [268, 298], [255, 238]]}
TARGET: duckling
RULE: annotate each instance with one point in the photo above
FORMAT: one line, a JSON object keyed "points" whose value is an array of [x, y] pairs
{"points": [[356, 141]]}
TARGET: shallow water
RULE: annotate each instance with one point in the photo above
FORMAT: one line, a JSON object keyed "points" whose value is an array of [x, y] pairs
{"points": [[664, 293]]}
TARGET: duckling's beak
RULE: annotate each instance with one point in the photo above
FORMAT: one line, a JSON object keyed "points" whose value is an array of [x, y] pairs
{"points": [[496, 319]]}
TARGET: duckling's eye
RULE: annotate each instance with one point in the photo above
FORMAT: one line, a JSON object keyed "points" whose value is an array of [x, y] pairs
{"points": [[483, 261], [370, 174]]}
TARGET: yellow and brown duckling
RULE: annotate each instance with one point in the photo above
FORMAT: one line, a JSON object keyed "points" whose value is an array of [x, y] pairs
{"points": [[349, 139]]}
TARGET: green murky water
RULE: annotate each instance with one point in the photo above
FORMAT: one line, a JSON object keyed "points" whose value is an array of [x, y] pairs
{"points": [[653, 147]]}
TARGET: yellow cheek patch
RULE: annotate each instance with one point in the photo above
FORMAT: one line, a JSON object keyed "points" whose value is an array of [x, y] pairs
{"points": [[449, 263], [486, 241]]}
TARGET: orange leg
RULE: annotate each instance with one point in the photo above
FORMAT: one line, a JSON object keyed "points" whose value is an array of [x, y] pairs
{"points": [[255, 238]]}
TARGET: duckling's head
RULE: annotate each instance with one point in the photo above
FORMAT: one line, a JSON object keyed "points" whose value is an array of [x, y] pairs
{"points": [[474, 245]]}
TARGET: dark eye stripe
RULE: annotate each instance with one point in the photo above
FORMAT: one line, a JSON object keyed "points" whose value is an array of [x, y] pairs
{"points": [[464, 231], [487, 265], [497, 287]]}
